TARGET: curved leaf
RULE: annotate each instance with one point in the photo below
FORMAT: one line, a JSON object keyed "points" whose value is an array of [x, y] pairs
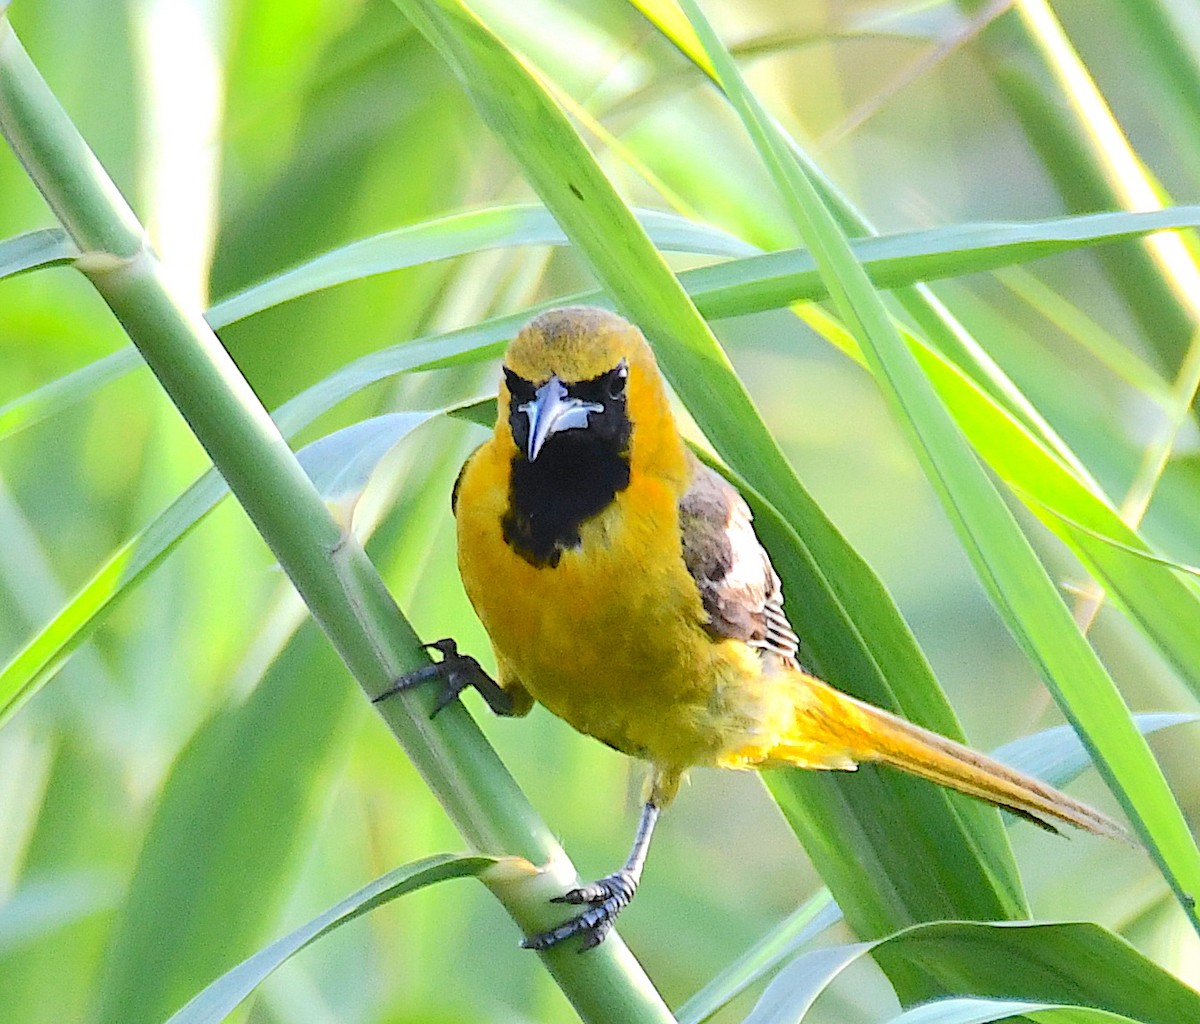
{"points": [[341, 464], [817, 914], [46, 247], [891, 261], [52, 398], [1058, 756], [221, 997], [1076, 964], [966, 1010], [1054, 755], [742, 285], [858, 638], [1015, 579], [446, 237]]}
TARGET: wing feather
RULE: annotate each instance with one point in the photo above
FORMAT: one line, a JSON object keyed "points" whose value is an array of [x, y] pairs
{"points": [[738, 585]]}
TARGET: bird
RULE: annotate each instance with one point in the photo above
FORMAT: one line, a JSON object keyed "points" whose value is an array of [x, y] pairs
{"points": [[622, 586]]}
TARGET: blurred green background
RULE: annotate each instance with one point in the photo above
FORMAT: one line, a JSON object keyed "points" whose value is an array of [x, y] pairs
{"points": [[251, 136]]}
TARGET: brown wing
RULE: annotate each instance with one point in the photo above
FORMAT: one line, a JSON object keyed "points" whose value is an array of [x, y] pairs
{"points": [[738, 586]]}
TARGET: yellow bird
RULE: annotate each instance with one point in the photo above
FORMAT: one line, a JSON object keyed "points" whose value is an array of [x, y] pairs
{"points": [[623, 587]]}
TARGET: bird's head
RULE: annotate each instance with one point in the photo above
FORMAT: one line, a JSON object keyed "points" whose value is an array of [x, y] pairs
{"points": [[579, 374]]}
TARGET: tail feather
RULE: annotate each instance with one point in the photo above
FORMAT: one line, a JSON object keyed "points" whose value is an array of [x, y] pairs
{"points": [[862, 732]]}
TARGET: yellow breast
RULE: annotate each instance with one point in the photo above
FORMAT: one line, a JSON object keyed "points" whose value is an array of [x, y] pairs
{"points": [[612, 638]]}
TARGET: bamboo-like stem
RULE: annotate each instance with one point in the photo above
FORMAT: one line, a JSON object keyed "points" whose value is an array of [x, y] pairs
{"points": [[328, 567]]}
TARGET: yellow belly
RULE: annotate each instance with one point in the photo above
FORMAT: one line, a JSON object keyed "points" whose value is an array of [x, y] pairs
{"points": [[612, 639]]}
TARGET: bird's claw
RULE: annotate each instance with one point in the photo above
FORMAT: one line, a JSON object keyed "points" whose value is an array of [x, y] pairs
{"points": [[456, 670], [604, 900]]}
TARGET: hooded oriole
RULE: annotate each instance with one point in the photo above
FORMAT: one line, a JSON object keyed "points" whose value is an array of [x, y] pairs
{"points": [[623, 587]]}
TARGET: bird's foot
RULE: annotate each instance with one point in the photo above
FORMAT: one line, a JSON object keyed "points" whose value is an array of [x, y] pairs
{"points": [[457, 672], [604, 900]]}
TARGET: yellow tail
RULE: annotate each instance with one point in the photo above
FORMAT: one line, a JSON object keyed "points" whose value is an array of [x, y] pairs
{"points": [[834, 730]]}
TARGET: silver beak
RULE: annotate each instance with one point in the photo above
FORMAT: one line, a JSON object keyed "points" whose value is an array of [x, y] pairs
{"points": [[553, 410]]}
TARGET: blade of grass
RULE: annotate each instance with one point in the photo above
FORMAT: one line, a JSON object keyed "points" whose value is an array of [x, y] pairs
{"points": [[984, 1011], [231, 821], [893, 261], [446, 237], [328, 567], [856, 633], [1060, 494], [1004, 560], [1071, 964], [1054, 755], [1071, 160], [50, 399], [1127, 174], [744, 284], [46, 247], [1058, 756], [221, 997], [817, 914]]}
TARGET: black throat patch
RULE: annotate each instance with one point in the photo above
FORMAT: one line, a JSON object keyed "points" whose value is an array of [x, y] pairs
{"points": [[572, 480], [576, 475]]}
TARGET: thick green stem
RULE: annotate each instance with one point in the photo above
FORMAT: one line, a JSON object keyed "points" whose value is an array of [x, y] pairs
{"points": [[328, 567]]}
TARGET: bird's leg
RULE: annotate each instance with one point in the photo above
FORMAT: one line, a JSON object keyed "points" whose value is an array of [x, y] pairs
{"points": [[456, 671], [604, 898]]}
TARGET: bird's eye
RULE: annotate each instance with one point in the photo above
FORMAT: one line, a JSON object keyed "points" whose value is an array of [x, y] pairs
{"points": [[617, 379]]}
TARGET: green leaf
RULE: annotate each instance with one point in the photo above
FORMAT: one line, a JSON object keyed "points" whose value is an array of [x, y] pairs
{"points": [[225, 835], [769, 281], [983, 1011], [220, 998], [817, 914], [1058, 756], [50, 399], [1054, 755], [46, 247], [1069, 503], [44, 653], [341, 464], [858, 637], [446, 237], [1016, 581], [741, 285], [1069, 964]]}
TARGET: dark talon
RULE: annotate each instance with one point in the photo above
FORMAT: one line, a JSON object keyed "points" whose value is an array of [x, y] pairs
{"points": [[619, 886], [605, 899], [457, 672]]}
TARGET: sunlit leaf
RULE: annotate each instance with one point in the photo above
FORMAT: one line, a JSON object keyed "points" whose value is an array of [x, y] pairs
{"points": [[1055, 755], [458, 235], [1078, 964], [48, 247], [1004, 560], [223, 995], [814, 916], [341, 464], [984, 1011]]}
